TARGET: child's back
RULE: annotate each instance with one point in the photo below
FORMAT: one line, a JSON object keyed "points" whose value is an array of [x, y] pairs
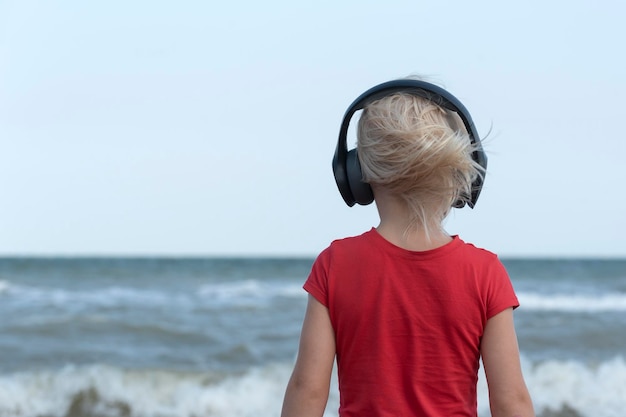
{"points": [[406, 308]]}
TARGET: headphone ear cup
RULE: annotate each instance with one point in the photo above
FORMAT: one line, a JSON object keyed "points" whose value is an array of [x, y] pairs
{"points": [[361, 191]]}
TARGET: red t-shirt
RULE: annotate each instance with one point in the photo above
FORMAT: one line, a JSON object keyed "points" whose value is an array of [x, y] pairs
{"points": [[408, 324]]}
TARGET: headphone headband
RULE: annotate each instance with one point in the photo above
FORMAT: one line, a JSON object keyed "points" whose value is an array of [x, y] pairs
{"points": [[346, 167]]}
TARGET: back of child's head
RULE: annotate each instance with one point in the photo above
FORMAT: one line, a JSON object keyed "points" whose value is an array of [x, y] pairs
{"points": [[416, 151]]}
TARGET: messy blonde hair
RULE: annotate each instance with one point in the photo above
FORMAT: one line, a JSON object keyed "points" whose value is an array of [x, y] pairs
{"points": [[419, 153]]}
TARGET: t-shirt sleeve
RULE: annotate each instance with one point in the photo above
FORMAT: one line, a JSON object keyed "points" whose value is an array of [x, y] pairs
{"points": [[500, 292], [317, 282]]}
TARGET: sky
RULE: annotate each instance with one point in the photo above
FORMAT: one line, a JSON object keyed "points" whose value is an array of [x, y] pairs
{"points": [[195, 128]]}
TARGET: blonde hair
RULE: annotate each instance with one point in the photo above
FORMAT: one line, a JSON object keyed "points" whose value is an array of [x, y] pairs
{"points": [[420, 153]]}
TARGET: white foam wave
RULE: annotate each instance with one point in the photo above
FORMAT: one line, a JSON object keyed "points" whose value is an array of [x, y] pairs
{"points": [[598, 391], [591, 390], [102, 297], [4, 286], [250, 291], [259, 292], [110, 390], [607, 302]]}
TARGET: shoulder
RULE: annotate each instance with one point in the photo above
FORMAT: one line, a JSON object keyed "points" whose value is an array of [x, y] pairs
{"points": [[477, 253], [346, 249], [341, 255], [480, 260], [350, 243]]}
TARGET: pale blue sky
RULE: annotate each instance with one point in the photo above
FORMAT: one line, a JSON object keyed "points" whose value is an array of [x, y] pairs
{"points": [[190, 127]]}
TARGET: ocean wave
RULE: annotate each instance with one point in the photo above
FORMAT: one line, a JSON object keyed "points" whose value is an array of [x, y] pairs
{"points": [[101, 297], [107, 391], [4, 286], [573, 303], [597, 390], [250, 291], [260, 292]]}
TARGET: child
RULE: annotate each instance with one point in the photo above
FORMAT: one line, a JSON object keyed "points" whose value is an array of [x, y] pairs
{"points": [[406, 309]]}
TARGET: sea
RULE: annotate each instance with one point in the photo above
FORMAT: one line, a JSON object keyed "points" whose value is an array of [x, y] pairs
{"points": [[194, 337]]}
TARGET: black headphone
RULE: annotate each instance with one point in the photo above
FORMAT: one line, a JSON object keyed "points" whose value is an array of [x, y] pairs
{"points": [[346, 165]]}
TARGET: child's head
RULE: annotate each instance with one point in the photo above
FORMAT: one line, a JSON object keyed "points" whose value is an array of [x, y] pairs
{"points": [[415, 151]]}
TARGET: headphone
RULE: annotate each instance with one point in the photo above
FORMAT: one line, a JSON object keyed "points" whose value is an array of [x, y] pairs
{"points": [[346, 165]]}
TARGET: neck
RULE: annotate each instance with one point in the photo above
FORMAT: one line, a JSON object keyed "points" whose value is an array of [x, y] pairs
{"points": [[396, 227], [413, 238]]}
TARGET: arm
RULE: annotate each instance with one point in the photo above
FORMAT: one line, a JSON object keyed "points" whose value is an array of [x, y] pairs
{"points": [[307, 390], [508, 395]]}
